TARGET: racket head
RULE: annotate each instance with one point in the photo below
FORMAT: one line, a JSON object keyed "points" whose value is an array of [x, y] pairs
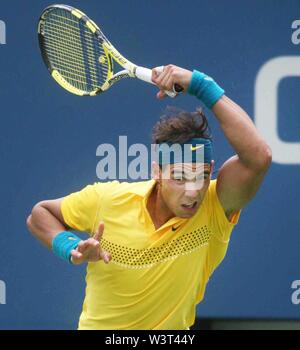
{"points": [[74, 50]]}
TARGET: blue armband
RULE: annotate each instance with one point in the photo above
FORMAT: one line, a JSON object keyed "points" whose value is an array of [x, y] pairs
{"points": [[64, 243], [205, 89]]}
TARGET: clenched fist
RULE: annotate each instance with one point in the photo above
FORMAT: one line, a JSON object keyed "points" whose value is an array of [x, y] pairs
{"points": [[170, 76]]}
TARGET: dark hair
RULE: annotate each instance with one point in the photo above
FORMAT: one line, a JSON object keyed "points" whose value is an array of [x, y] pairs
{"points": [[179, 126]]}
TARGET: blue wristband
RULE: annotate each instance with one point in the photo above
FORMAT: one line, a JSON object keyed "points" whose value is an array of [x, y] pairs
{"points": [[205, 89], [64, 243]]}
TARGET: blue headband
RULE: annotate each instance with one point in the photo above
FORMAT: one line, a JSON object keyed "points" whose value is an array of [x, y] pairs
{"points": [[196, 150]]}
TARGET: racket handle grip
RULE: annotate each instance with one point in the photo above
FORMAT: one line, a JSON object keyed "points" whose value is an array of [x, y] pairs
{"points": [[145, 74]]}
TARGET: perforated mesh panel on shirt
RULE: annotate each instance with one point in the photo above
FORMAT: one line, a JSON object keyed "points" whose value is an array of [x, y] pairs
{"points": [[145, 258]]}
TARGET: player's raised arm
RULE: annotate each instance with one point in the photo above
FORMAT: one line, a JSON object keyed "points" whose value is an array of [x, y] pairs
{"points": [[240, 176]]}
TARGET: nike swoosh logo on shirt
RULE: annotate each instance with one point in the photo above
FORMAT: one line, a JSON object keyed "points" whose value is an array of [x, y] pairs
{"points": [[196, 147], [175, 228]]}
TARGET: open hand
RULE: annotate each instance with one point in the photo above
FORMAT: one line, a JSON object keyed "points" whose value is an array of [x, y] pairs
{"points": [[90, 250]]}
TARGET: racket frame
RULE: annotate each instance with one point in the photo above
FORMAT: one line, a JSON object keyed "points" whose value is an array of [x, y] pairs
{"points": [[130, 70]]}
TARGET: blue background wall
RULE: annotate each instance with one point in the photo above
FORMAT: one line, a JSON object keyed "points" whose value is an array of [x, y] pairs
{"points": [[48, 141]]}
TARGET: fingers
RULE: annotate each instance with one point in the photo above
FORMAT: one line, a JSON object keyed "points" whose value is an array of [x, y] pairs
{"points": [[89, 244], [161, 94], [87, 251], [164, 80], [76, 254], [159, 78], [76, 257], [155, 75], [90, 250], [170, 76], [167, 82], [105, 256], [98, 235]]}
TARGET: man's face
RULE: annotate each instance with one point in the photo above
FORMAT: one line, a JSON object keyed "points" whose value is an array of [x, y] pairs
{"points": [[183, 187]]}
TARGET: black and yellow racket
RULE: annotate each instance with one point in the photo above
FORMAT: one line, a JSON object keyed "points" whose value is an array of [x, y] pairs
{"points": [[78, 55]]}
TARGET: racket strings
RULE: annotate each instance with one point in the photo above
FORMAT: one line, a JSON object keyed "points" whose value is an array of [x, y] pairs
{"points": [[60, 55], [58, 26], [74, 51], [74, 36], [58, 45], [72, 66]]}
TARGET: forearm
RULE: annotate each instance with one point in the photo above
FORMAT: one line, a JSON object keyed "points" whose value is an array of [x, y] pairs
{"points": [[241, 133], [47, 224], [237, 126], [44, 225]]}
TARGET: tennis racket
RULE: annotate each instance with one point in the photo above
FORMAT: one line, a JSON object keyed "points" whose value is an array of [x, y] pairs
{"points": [[78, 55]]}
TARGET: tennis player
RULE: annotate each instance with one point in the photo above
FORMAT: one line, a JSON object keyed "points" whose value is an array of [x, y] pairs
{"points": [[154, 244]]}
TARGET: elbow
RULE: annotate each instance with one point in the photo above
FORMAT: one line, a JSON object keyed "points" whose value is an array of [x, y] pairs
{"points": [[265, 158], [30, 218], [268, 157], [28, 222]]}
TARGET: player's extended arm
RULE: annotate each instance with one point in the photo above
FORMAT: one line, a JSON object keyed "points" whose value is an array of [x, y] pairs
{"points": [[46, 222], [240, 176]]}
